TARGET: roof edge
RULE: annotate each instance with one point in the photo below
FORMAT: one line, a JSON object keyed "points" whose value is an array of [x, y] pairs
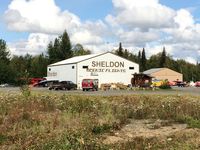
{"points": [[51, 65], [77, 61]]}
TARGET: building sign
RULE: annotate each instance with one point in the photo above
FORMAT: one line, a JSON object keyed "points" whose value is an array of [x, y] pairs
{"points": [[107, 66], [51, 74]]}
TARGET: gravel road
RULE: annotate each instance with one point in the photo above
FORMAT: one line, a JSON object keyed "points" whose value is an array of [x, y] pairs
{"points": [[175, 91]]}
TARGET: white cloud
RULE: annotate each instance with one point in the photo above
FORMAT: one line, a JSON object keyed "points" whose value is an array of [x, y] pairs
{"points": [[184, 51], [184, 19], [90, 33], [85, 37], [137, 24], [45, 17], [137, 37], [152, 25], [143, 14], [36, 44], [39, 16]]}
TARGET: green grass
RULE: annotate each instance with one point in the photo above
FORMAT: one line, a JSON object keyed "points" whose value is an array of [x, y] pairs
{"points": [[60, 121]]}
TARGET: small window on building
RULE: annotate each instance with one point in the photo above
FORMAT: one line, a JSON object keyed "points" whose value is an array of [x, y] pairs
{"points": [[72, 67], [131, 68], [49, 69], [85, 67]]}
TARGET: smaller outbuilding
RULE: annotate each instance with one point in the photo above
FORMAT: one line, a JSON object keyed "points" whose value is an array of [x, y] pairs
{"points": [[141, 80], [164, 74]]}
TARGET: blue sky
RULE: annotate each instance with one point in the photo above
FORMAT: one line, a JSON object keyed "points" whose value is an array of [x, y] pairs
{"points": [[99, 25], [87, 9]]}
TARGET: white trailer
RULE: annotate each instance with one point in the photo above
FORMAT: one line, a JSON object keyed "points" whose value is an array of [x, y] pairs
{"points": [[106, 67]]}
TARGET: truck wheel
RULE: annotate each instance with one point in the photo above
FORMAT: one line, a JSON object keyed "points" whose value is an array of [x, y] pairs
{"points": [[83, 89]]}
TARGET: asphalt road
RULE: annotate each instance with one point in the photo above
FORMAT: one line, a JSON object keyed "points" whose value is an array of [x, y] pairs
{"points": [[175, 91]]}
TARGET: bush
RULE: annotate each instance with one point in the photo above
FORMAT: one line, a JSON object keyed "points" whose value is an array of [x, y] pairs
{"points": [[165, 85]]}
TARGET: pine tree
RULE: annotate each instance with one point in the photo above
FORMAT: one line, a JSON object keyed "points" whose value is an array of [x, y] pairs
{"points": [[120, 50], [38, 66], [163, 58], [133, 57], [139, 58], [126, 54], [57, 54], [61, 48], [65, 47], [5, 70], [4, 53], [51, 53], [143, 61]]}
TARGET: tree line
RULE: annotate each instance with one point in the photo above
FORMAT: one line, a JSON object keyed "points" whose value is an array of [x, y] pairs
{"points": [[14, 68], [191, 72]]}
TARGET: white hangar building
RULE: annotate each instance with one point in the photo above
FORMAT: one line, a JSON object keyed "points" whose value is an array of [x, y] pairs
{"points": [[106, 67]]}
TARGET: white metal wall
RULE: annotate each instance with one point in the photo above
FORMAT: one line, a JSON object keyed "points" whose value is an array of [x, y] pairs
{"points": [[62, 73], [104, 72]]}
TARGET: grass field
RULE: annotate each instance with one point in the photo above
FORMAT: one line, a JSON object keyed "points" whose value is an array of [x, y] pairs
{"points": [[59, 121]]}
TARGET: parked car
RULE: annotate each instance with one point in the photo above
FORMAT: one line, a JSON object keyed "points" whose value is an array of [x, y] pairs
{"points": [[197, 84], [172, 83], [90, 84], [4, 85], [45, 83], [181, 84], [34, 81], [191, 83], [63, 85]]}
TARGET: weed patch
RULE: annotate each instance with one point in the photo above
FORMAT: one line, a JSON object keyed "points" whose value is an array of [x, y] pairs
{"points": [[47, 121]]}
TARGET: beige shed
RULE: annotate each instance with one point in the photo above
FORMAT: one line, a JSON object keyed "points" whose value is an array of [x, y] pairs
{"points": [[164, 73]]}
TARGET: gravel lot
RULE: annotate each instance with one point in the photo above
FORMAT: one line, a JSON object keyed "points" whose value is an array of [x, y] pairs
{"points": [[174, 91]]}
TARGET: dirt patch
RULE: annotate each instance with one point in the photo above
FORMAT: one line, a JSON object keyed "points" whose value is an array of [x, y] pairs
{"points": [[161, 129]]}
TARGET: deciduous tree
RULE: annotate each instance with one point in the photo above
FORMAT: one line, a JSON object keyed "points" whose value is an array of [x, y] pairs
{"points": [[78, 50]]}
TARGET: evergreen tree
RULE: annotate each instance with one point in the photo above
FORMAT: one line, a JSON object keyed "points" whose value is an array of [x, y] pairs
{"points": [[133, 57], [39, 66], [152, 62], [5, 71], [61, 48], [163, 58], [143, 61], [51, 52], [120, 52], [56, 51], [27, 62], [139, 58], [126, 54], [20, 65], [65, 46], [4, 53]]}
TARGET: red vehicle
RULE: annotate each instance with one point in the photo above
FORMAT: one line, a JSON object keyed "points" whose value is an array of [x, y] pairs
{"points": [[90, 84], [197, 84], [172, 83], [34, 81]]}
